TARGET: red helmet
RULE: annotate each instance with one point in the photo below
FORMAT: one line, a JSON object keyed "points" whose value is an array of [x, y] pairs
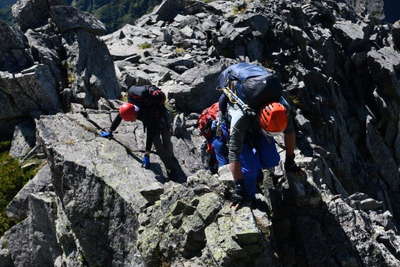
{"points": [[128, 112], [273, 117]]}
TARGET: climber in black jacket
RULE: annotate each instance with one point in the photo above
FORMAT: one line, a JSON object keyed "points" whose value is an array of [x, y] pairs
{"points": [[146, 103]]}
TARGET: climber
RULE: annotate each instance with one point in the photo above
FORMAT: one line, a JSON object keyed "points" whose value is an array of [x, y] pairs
{"points": [[257, 111], [146, 103], [214, 149]]}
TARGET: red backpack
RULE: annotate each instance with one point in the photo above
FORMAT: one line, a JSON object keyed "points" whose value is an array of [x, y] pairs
{"points": [[206, 118]]}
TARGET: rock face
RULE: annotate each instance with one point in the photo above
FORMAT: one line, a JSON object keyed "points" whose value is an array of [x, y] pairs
{"points": [[24, 139], [109, 199], [59, 60], [33, 14], [19, 206], [373, 8], [79, 159], [68, 18], [14, 53], [28, 94], [340, 72]]}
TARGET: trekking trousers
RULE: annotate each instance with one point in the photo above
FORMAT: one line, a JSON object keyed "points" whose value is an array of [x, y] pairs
{"points": [[163, 145], [253, 160]]}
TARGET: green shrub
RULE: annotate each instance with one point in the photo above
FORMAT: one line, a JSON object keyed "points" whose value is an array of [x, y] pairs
{"points": [[145, 45], [180, 50], [12, 179]]}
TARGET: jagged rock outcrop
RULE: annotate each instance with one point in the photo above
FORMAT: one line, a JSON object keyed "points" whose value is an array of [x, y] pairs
{"points": [[27, 94], [19, 206], [14, 51], [369, 7], [24, 139], [68, 18], [33, 14], [105, 176], [59, 60], [340, 72]]}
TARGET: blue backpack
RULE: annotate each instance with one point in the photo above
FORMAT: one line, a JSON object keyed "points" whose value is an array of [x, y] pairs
{"points": [[253, 84]]}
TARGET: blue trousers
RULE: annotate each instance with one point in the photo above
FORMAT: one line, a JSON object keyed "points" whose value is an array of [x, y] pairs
{"points": [[252, 160]]}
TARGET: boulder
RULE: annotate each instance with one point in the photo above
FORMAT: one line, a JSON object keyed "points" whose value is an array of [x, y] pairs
{"points": [[198, 89], [45, 47], [152, 192], [370, 7], [383, 67], [356, 226], [47, 232], [33, 90], [68, 18], [18, 208], [131, 76], [396, 34], [382, 155], [168, 9], [14, 50], [90, 68], [24, 139], [31, 14], [209, 205], [351, 34], [27, 94]]}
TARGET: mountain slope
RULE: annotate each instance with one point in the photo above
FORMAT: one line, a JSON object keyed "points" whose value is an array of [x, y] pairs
{"points": [[114, 13]]}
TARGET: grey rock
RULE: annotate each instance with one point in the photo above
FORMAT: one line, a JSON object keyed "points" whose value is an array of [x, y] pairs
{"points": [[14, 53], [351, 34], [396, 34], [255, 50], [384, 62], [187, 32], [136, 38], [198, 91], [31, 14], [5, 257], [18, 207], [43, 234], [152, 192], [381, 154], [45, 49], [223, 247], [68, 18], [90, 67], [16, 246], [209, 205], [370, 204], [28, 94], [107, 195], [168, 9], [372, 8], [245, 229], [359, 196], [257, 22], [131, 77], [23, 140], [182, 21], [350, 220]]}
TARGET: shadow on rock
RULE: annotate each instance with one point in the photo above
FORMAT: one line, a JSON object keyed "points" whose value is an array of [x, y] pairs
{"points": [[305, 232]]}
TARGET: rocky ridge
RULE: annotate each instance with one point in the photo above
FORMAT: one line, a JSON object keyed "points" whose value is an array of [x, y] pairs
{"points": [[339, 70]]}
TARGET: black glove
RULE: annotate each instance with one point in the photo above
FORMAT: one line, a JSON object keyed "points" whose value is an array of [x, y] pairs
{"points": [[290, 165]]}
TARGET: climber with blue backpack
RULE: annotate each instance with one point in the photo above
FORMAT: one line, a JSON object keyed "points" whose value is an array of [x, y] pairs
{"points": [[252, 101], [146, 103]]}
